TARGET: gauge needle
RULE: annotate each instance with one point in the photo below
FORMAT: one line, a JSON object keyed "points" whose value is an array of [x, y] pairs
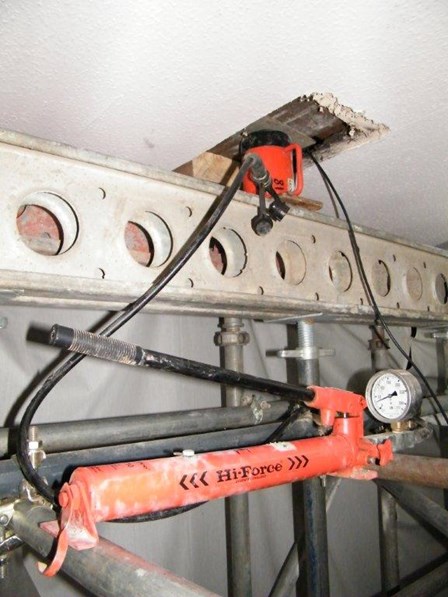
{"points": [[388, 396]]}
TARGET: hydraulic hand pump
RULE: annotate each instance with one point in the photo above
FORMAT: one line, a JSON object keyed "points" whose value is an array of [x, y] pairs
{"points": [[123, 490]]}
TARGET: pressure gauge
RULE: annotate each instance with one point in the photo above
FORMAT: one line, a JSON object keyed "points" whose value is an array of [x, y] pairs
{"points": [[393, 395]]}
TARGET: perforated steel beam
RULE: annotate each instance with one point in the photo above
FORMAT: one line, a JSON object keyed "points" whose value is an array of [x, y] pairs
{"points": [[304, 265]]}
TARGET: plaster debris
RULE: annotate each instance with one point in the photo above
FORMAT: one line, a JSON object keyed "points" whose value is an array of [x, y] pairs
{"points": [[357, 129]]}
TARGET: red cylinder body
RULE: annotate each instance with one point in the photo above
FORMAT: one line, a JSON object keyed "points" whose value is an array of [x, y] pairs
{"points": [[284, 165], [123, 490]]}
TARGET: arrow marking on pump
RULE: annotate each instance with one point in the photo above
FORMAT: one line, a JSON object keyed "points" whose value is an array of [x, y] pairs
{"points": [[296, 462], [182, 483], [193, 481]]}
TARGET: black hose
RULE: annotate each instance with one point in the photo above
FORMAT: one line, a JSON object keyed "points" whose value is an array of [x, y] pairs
{"points": [[379, 318], [178, 261], [161, 515], [111, 349]]}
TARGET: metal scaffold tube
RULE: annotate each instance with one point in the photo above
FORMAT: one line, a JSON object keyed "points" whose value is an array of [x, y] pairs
{"points": [[308, 497], [55, 465], [231, 340], [390, 574], [106, 570], [418, 470], [419, 505], [430, 584], [314, 502], [289, 573], [74, 435], [387, 507]]}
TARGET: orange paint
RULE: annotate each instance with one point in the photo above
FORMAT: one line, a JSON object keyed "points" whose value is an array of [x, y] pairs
{"points": [[108, 492], [279, 161]]}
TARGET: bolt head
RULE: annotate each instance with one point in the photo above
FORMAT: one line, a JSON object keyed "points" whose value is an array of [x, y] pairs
{"points": [[4, 519]]}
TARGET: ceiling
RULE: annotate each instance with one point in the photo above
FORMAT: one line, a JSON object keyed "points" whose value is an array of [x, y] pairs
{"points": [[160, 82]]}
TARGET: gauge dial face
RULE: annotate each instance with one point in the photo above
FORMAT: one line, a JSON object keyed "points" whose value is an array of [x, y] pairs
{"points": [[390, 397], [393, 395]]}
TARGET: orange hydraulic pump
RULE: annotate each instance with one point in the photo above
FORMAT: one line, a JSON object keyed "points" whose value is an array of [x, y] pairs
{"points": [[122, 490]]}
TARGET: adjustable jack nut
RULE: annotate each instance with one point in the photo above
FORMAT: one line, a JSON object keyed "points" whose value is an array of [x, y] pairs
{"points": [[231, 338]]}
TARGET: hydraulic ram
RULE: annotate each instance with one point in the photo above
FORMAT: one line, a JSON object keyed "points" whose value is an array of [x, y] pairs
{"points": [[123, 490]]}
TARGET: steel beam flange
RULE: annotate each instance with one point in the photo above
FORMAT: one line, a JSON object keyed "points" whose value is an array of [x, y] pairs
{"points": [[304, 265]]}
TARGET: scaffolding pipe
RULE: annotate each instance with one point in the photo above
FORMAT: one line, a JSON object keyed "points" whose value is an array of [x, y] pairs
{"points": [[76, 435], [418, 505], [387, 506], [315, 515], [231, 340], [417, 470], [316, 538], [57, 466], [290, 570], [390, 574], [106, 570], [430, 584]]}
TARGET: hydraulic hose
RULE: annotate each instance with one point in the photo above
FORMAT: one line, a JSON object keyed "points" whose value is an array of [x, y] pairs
{"points": [[161, 515], [178, 261]]}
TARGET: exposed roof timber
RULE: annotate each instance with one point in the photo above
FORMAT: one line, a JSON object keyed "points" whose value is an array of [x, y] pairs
{"points": [[317, 120]]}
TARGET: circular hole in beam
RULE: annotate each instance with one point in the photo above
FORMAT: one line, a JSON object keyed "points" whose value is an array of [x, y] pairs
{"points": [[340, 271], [441, 289], [47, 224], [381, 278], [414, 283], [148, 240], [227, 252], [290, 262]]}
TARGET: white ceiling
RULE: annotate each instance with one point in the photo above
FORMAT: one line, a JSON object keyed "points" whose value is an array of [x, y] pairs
{"points": [[160, 82]]}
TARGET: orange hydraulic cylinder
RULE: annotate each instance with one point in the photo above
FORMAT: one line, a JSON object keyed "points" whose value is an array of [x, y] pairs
{"points": [[127, 489], [123, 490]]}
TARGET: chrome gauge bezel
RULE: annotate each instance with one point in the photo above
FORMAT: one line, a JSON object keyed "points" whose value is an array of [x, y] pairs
{"points": [[408, 389]]}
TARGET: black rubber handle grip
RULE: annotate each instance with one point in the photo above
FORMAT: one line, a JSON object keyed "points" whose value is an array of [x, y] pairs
{"points": [[96, 346]]}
